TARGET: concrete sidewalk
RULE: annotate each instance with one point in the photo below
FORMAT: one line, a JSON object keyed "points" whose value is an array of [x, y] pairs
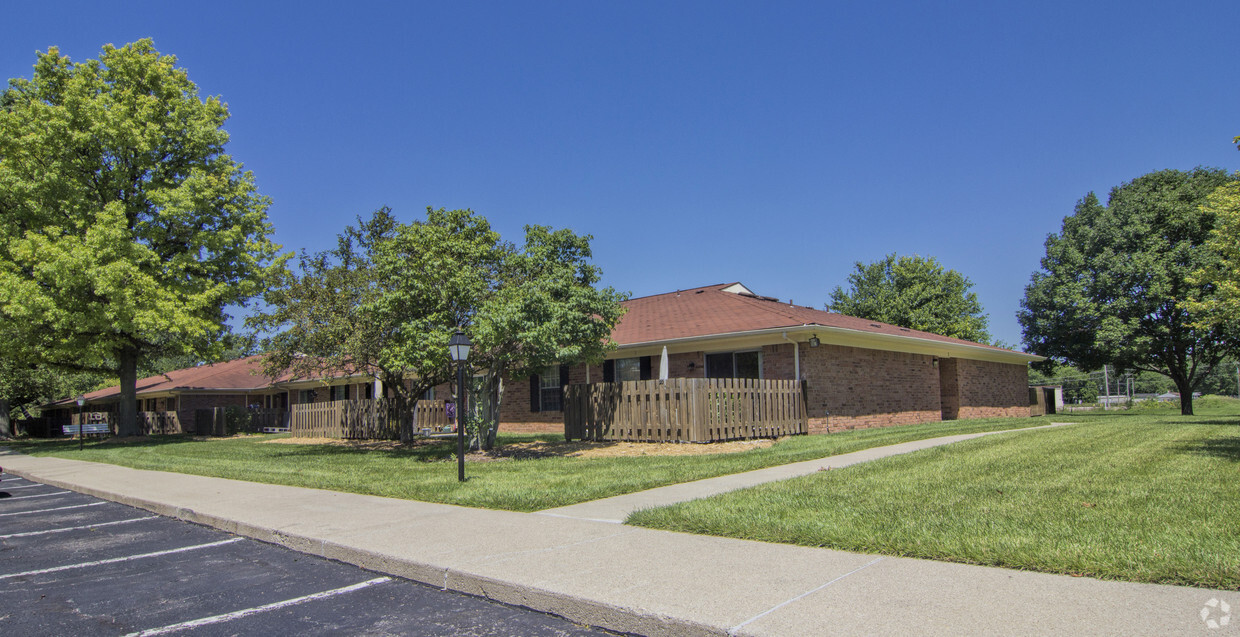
{"points": [[617, 509], [644, 581]]}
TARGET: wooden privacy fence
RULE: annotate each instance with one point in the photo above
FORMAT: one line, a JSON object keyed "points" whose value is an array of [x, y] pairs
{"points": [[685, 410], [366, 419], [225, 421], [159, 422]]}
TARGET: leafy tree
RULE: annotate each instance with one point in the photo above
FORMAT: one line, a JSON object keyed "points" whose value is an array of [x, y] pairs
{"points": [[126, 229], [1078, 387], [913, 292], [1221, 275], [363, 308], [1223, 380], [389, 297], [1113, 282], [24, 388], [545, 309]]}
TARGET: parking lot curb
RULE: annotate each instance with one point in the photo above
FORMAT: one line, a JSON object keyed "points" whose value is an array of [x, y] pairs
{"points": [[580, 610]]}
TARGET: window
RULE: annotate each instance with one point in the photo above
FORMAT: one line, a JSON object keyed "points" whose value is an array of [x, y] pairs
{"points": [[339, 392], [306, 396], [549, 389], [628, 369], [170, 404], [734, 365], [370, 390], [429, 394]]}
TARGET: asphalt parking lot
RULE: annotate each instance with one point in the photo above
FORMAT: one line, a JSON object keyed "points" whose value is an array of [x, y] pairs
{"points": [[72, 564]]}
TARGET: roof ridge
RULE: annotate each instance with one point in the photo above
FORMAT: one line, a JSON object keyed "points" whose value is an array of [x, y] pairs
{"points": [[683, 290], [758, 302]]}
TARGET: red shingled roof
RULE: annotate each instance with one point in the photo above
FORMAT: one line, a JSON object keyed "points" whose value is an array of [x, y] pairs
{"points": [[709, 311], [243, 374]]}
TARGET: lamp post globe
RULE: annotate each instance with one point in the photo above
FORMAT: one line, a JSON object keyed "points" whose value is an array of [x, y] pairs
{"points": [[458, 347]]}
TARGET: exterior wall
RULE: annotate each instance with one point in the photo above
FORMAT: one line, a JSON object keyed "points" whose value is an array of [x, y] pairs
{"points": [[852, 388], [949, 388], [992, 390], [683, 365], [188, 403], [514, 410], [779, 361]]}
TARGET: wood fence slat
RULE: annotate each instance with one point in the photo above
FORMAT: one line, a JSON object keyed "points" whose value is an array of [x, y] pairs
{"points": [[685, 410], [365, 419]]}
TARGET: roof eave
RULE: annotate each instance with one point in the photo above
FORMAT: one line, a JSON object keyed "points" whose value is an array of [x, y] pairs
{"points": [[941, 348]]}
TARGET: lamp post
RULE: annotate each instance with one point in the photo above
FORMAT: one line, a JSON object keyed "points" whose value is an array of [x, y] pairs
{"points": [[458, 350], [81, 400]]}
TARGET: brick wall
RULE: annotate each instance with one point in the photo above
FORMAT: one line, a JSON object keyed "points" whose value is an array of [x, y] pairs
{"points": [[863, 388], [860, 388], [779, 361], [514, 410], [949, 388], [191, 402], [992, 390]]}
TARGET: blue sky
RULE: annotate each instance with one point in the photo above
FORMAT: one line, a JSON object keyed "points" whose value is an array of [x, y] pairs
{"points": [[774, 143]]}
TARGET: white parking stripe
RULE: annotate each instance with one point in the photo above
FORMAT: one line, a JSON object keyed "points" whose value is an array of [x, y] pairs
{"points": [[121, 559], [4, 487], [41, 495], [206, 621], [72, 506], [76, 528]]}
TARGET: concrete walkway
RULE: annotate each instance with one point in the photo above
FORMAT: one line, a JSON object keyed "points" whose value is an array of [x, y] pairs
{"points": [[645, 581], [617, 509]]}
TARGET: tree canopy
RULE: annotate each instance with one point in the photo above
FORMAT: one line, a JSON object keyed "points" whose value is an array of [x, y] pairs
{"points": [[914, 292], [126, 230], [1221, 275], [1115, 282], [387, 299]]}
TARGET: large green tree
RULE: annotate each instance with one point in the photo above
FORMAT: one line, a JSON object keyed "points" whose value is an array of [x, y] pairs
{"points": [[914, 292], [126, 229], [1115, 280], [389, 297]]}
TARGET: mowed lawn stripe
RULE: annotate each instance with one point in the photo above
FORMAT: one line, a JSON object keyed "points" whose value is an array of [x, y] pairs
{"points": [[427, 472], [1141, 498]]}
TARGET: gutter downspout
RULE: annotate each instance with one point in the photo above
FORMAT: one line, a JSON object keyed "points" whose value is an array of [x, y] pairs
{"points": [[796, 357]]}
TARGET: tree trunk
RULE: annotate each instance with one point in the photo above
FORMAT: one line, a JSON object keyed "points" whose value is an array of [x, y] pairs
{"points": [[400, 405], [1186, 395], [6, 427], [495, 389], [127, 410]]}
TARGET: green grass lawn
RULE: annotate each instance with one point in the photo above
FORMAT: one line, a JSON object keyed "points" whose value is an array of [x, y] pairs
{"points": [[1145, 495], [428, 473]]}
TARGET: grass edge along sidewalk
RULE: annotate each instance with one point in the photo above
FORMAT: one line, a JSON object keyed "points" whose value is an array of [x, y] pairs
{"points": [[427, 473], [1141, 497]]}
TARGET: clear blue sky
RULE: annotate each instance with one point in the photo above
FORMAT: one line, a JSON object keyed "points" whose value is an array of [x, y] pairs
{"points": [[773, 143]]}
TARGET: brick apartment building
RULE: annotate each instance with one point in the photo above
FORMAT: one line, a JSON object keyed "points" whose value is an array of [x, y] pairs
{"points": [[857, 373]]}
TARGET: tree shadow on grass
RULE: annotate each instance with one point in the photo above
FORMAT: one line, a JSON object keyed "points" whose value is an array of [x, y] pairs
{"points": [[1225, 448]]}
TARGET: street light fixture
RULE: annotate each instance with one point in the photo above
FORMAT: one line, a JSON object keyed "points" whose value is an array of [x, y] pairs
{"points": [[81, 400], [458, 350]]}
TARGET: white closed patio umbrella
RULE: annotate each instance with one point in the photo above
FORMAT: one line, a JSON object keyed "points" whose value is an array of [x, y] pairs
{"points": [[663, 364]]}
